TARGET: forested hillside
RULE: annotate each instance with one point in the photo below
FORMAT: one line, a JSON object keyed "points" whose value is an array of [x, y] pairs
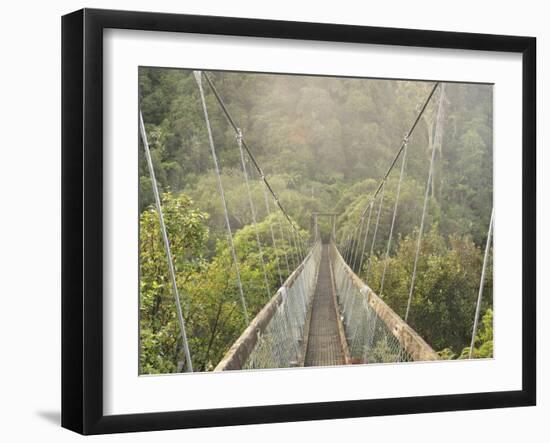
{"points": [[324, 143]]}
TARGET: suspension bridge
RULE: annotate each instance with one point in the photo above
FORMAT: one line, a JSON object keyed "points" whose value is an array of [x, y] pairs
{"points": [[324, 313]]}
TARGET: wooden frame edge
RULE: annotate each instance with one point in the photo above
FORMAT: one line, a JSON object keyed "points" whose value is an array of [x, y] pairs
{"points": [[72, 376]]}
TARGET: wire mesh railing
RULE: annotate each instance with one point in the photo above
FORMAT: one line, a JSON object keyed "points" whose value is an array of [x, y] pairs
{"points": [[274, 338], [375, 333]]}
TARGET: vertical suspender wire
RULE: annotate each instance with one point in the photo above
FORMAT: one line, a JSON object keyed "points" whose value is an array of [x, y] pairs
{"points": [[303, 246], [397, 192], [345, 246], [345, 241], [482, 282], [298, 246], [342, 242], [294, 246], [316, 230], [181, 321], [307, 248], [253, 212], [426, 196], [357, 256], [348, 244], [299, 281], [357, 243], [348, 284], [285, 247], [268, 212], [296, 242], [292, 250], [352, 245], [222, 195], [365, 239], [353, 230], [375, 231], [344, 293]]}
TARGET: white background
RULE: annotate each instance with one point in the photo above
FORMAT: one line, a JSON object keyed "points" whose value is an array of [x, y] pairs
{"points": [[30, 220]]}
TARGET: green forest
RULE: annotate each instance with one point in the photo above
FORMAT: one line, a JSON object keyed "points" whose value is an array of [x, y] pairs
{"points": [[324, 143]]}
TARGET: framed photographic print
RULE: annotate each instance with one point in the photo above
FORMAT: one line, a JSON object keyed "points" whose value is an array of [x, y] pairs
{"points": [[270, 221]]}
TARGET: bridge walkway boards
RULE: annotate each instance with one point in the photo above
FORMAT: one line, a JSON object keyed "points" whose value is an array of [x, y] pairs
{"points": [[323, 346]]}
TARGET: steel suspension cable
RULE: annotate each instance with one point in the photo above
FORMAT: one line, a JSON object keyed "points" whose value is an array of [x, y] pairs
{"points": [[397, 192], [253, 212], [426, 196], [181, 321], [222, 195], [482, 282]]}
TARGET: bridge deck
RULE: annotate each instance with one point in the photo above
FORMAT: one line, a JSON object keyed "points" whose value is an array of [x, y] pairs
{"points": [[324, 347]]}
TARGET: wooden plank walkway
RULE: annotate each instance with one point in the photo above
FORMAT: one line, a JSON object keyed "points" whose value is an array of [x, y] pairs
{"points": [[323, 346]]}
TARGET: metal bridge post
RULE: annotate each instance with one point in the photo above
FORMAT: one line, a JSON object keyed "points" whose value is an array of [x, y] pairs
{"points": [[171, 269]]}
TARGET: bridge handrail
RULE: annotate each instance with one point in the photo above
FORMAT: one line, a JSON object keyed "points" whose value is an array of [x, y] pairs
{"points": [[409, 339], [241, 349]]}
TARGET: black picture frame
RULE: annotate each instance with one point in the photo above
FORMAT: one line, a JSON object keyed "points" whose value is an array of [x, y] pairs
{"points": [[82, 219]]}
